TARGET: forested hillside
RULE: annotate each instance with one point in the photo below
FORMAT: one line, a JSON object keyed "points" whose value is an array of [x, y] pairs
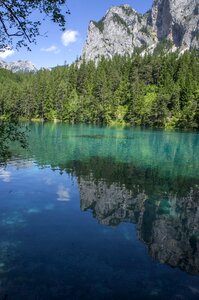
{"points": [[156, 90]]}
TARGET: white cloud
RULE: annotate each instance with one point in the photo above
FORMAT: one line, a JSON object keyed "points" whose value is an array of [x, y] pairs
{"points": [[52, 48], [69, 37], [4, 53]]}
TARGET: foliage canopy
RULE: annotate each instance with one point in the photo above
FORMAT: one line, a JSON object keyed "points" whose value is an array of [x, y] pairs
{"points": [[18, 24], [155, 90]]}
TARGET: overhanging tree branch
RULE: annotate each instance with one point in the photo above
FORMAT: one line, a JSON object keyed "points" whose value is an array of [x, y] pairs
{"points": [[14, 15], [18, 28], [17, 20]]}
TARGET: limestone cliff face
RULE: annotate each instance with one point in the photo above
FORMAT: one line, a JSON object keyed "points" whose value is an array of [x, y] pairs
{"points": [[111, 204], [169, 227], [176, 20], [122, 29], [119, 32], [174, 233]]}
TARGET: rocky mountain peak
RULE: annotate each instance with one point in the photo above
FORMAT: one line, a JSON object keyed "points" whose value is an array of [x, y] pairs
{"points": [[122, 29], [19, 66]]}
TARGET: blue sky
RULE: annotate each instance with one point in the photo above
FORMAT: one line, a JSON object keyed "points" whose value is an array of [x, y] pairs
{"points": [[58, 47]]}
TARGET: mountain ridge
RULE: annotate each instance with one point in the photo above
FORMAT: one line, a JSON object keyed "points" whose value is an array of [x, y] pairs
{"points": [[173, 23], [18, 66]]}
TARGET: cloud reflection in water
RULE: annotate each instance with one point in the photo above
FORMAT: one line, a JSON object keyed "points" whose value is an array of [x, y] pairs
{"points": [[63, 194], [5, 176]]}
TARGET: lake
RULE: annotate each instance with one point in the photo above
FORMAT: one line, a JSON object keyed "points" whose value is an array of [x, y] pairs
{"points": [[93, 212]]}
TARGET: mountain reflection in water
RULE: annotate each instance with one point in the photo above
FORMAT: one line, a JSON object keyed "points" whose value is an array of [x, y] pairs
{"points": [[150, 178], [166, 222], [135, 183]]}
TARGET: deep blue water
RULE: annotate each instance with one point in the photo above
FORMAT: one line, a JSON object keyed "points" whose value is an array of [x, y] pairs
{"points": [[100, 213]]}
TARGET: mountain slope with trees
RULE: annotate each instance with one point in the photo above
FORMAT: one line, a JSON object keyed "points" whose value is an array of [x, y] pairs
{"points": [[154, 90]]}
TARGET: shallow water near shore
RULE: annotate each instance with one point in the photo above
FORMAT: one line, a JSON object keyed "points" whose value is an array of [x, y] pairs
{"points": [[92, 212]]}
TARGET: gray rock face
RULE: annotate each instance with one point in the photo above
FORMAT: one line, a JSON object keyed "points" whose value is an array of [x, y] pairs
{"points": [[18, 66], [170, 230], [119, 32], [174, 239], [111, 204], [176, 20], [123, 30]]}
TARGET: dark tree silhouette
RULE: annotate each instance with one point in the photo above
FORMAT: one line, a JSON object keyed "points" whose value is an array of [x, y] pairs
{"points": [[20, 20]]}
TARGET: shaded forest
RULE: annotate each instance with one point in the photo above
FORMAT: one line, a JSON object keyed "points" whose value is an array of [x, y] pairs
{"points": [[155, 90]]}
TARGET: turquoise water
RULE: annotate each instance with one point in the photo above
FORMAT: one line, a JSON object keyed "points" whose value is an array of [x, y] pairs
{"points": [[100, 213]]}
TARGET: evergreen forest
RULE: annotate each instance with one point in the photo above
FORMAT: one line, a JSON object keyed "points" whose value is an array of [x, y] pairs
{"points": [[155, 90]]}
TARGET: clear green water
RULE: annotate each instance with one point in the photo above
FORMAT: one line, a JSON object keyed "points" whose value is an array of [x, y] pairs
{"points": [[100, 213]]}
